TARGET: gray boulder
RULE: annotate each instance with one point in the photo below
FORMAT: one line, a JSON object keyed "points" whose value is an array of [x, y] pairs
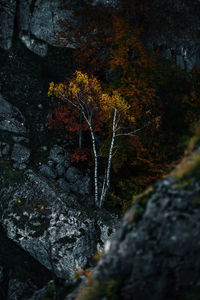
{"points": [[52, 227], [11, 118], [5, 107], [7, 18], [63, 185], [82, 186], [5, 148], [59, 156], [20, 289], [19, 166], [39, 23], [85, 186], [47, 171], [38, 47], [60, 169], [155, 252], [73, 174], [20, 154], [19, 139], [44, 293]]}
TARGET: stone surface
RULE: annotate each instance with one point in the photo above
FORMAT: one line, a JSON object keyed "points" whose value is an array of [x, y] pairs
{"points": [[73, 174], [155, 252], [44, 293], [38, 47], [19, 166], [82, 186], [20, 154], [52, 227], [38, 23], [11, 118], [19, 139], [63, 185], [19, 290], [7, 18], [59, 156], [5, 106], [47, 171], [5, 148], [60, 169]]}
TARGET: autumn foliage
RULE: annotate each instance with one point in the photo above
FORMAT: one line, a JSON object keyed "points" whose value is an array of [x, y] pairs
{"points": [[162, 101], [85, 95]]}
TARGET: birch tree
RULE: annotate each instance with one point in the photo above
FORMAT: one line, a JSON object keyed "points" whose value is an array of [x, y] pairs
{"points": [[85, 94]]}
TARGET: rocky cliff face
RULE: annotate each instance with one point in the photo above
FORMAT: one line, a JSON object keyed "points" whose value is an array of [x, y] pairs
{"points": [[41, 209], [53, 228], [36, 22], [155, 253]]}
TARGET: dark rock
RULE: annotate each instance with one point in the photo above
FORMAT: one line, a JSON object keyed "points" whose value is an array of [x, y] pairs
{"points": [[44, 148], [19, 166], [5, 107], [85, 186], [63, 185], [20, 290], [59, 156], [45, 292], [155, 253], [60, 169], [38, 47], [11, 118], [38, 23], [20, 154], [51, 226], [47, 171], [19, 139], [73, 174], [7, 18], [5, 148]]}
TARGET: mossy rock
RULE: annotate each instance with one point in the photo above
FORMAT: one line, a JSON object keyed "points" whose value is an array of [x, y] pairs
{"points": [[9, 175], [188, 170], [97, 290], [140, 202]]}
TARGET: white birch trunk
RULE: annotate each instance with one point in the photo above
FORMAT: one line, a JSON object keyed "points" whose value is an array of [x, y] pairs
{"points": [[106, 184], [80, 134], [96, 187]]}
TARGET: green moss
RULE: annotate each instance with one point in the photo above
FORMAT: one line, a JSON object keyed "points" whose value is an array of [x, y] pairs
{"points": [[188, 169], [196, 200], [10, 176], [96, 290], [6, 137], [143, 197], [140, 202], [51, 289], [195, 140], [193, 295]]}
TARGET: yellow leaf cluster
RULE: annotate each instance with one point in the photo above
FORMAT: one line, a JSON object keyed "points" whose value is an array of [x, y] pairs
{"points": [[84, 90], [116, 101], [56, 89]]}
